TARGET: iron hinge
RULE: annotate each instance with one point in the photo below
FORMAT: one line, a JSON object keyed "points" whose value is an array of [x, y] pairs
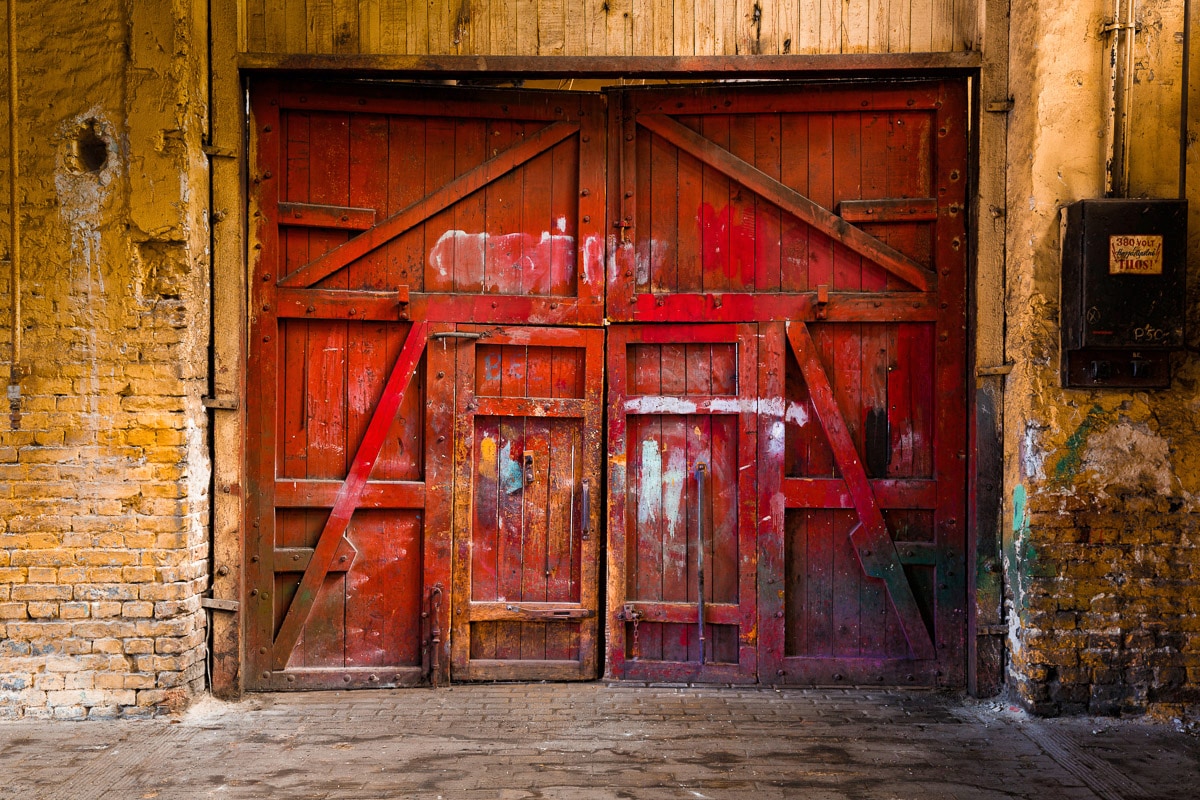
{"points": [[991, 630], [213, 151], [220, 403], [219, 605], [1000, 106]]}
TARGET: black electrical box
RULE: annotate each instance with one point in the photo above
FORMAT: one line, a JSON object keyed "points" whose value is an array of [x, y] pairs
{"points": [[1124, 282]]}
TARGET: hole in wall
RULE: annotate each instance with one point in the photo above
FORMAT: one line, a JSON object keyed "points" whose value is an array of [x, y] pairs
{"points": [[89, 148]]}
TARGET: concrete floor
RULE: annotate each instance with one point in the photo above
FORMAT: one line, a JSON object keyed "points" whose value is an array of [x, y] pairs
{"points": [[598, 741]]}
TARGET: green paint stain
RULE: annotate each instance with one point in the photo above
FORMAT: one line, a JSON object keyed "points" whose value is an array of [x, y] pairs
{"points": [[1069, 463]]}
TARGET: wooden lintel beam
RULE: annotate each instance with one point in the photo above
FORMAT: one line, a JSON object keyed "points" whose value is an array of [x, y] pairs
{"points": [[613, 66]]}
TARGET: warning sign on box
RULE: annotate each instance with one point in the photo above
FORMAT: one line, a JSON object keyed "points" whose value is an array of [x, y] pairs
{"points": [[1135, 255]]}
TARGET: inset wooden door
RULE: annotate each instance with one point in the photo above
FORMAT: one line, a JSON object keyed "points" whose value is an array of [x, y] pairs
{"points": [[682, 447], [527, 503]]}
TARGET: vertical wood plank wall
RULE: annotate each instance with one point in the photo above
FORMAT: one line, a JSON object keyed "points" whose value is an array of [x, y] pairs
{"points": [[606, 27]]}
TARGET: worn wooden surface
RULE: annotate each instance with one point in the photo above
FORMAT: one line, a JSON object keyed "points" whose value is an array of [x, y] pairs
{"points": [[813, 365], [680, 397], [528, 419], [615, 27]]}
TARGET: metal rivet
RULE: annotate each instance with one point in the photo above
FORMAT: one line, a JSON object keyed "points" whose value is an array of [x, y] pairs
{"points": [[584, 192], [254, 592], [587, 218], [262, 650], [441, 374], [266, 175], [267, 338], [266, 128], [266, 675], [266, 277]]}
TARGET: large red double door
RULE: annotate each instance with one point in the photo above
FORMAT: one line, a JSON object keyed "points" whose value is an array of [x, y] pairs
{"points": [[667, 383]]}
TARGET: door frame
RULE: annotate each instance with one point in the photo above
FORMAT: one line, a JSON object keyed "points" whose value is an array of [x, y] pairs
{"points": [[235, 250]]}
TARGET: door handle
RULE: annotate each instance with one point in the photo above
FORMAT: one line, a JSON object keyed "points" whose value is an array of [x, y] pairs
{"points": [[585, 528], [700, 554]]}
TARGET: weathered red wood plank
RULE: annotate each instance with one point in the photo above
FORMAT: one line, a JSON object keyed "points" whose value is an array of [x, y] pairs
{"points": [[349, 495], [502, 224], [772, 579], [689, 241], [874, 547], [427, 101], [499, 165], [383, 591], [565, 468], [537, 224], [847, 182], [310, 215], [369, 189], [406, 158], [833, 493], [322, 493], [686, 614], [715, 212], [793, 172], [768, 234], [892, 209], [791, 201], [535, 567], [762, 100]]}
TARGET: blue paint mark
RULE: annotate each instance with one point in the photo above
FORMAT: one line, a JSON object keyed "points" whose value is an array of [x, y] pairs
{"points": [[491, 367], [512, 480]]}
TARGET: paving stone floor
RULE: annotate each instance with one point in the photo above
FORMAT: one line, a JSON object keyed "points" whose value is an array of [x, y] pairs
{"points": [[601, 741]]}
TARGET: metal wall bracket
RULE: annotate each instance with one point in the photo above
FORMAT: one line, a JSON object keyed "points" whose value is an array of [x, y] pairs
{"points": [[219, 152], [1000, 106], [221, 403], [219, 605]]}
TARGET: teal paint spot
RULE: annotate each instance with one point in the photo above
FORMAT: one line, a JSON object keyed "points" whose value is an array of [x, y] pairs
{"points": [[512, 479], [1018, 508], [1069, 463]]}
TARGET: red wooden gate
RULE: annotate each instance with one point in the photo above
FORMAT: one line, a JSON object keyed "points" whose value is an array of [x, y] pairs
{"points": [[832, 219], [384, 217], [785, 274]]}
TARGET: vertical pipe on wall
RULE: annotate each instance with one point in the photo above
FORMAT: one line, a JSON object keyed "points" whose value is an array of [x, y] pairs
{"points": [[14, 247], [1123, 29], [1183, 97]]}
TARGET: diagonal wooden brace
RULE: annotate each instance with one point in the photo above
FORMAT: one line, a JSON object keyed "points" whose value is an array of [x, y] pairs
{"points": [[790, 200], [404, 219], [872, 542], [349, 495]]}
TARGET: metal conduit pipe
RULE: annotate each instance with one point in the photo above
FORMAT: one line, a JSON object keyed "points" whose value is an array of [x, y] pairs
{"points": [[1183, 97], [14, 247], [1123, 29]]}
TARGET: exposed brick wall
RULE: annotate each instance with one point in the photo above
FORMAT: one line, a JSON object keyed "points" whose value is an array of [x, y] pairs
{"points": [[1111, 607], [103, 490]]}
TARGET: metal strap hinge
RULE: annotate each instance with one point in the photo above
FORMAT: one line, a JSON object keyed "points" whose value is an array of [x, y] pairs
{"points": [[219, 605], [219, 152], [1003, 369], [1000, 106], [991, 630]]}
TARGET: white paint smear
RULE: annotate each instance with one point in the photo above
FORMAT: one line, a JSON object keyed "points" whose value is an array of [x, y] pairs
{"points": [[541, 255]]}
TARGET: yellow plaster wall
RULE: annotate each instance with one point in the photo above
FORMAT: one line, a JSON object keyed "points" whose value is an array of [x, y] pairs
{"points": [[103, 489], [1103, 486]]}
